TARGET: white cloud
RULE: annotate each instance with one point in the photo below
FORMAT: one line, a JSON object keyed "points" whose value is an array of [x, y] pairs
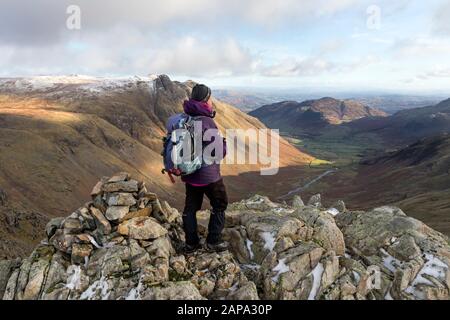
{"points": [[217, 38], [294, 67], [422, 47], [315, 66], [136, 53], [268, 12], [191, 56], [176, 37], [437, 72], [43, 21], [331, 46], [441, 19]]}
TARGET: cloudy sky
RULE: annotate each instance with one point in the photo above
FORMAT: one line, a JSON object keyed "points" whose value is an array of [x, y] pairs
{"points": [[399, 45]]}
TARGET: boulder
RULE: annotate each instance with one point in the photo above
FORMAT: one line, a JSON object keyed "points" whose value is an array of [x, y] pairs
{"points": [[297, 202], [114, 213], [178, 264], [118, 177], [97, 189], [325, 230], [120, 186], [80, 252], [182, 290], [100, 221], [247, 292], [72, 225], [121, 199], [143, 228], [53, 225], [415, 256], [315, 201], [145, 212], [35, 279], [340, 206], [6, 269], [62, 242]]}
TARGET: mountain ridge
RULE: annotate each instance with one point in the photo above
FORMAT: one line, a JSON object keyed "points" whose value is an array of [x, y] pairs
{"points": [[310, 116]]}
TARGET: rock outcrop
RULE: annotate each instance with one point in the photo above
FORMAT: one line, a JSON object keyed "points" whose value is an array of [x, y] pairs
{"points": [[127, 244], [414, 259], [124, 244]]}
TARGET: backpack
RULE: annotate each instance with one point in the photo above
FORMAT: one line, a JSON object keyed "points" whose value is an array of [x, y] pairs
{"points": [[180, 130]]}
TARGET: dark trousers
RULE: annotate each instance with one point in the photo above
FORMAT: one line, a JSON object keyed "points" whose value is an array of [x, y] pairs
{"points": [[218, 199]]}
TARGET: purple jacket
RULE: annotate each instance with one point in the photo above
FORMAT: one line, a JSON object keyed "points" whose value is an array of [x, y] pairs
{"points": [[207, 173]]}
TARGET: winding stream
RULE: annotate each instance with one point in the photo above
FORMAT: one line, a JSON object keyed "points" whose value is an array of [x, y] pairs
{"points": [[306, 186]]}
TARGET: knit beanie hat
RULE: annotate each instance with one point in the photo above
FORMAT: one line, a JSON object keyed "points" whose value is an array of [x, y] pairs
{"points": [[201, 93]]}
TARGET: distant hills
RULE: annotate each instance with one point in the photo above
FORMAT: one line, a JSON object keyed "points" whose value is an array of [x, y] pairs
{"points": [[242, 100], [407, 126], [249, 99], [313, 116]]}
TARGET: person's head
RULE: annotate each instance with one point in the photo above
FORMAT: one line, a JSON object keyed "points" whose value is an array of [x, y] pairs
{"points": [[201, 93]]}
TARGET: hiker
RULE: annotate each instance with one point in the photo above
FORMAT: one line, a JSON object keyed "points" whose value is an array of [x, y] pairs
{"points": [[205, 181]]}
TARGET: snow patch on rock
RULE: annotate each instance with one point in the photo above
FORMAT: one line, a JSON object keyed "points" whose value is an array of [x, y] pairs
{"points": [[317, 276], [280, 268], [249, 244], [269, 240]]}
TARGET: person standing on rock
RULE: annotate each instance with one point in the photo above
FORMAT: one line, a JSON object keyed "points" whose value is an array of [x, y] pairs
{"points": [[205, 181]]}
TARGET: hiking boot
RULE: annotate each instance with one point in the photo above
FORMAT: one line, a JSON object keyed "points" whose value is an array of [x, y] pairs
{"points": [[190, 248], [217, 247]]}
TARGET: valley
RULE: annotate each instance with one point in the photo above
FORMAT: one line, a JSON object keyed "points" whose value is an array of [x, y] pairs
{"points": [[401, 159]]}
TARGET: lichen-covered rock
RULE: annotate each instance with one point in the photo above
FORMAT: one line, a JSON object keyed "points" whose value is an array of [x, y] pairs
{"points": [[414, 256], [142, 228], [297, 202], [144, 212], [115, 213], [182, 290], [120, 186], [35, 279], [53, 225], [325, 230], [101, 222], [118, 177], [6, 269], [315, 201], [121, 199], [247, 292]]}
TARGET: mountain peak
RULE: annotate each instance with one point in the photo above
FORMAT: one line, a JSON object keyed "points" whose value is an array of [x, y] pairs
{"points": [[313, 114]]}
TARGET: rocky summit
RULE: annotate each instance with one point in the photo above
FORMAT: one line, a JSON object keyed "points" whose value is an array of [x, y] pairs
{"points": [[126, 244]]}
